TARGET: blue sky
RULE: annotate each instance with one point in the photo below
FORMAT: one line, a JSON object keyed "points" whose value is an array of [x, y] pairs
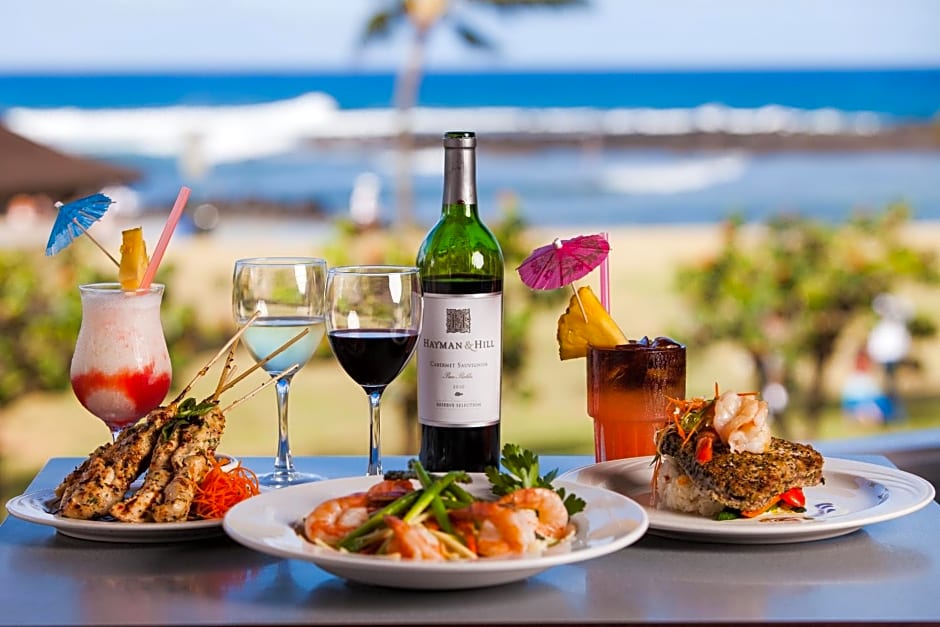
{"points": [[95, 35]]}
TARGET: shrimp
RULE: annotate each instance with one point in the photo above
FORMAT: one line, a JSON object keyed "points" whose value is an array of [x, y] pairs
{"points": [[386, 491], [549, 509], [742, 422], [413, 542], [500, 529], [331, 520]]}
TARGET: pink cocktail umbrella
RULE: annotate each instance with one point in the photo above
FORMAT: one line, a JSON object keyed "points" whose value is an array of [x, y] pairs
{"points": [[563, 262]]}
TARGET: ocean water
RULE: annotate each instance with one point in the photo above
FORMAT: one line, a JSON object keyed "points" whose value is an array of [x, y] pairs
{"points": [[248, 136]]}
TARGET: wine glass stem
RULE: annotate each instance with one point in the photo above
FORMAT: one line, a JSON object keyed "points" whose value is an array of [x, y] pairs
{"points": [[283, 464], [375, 433]]}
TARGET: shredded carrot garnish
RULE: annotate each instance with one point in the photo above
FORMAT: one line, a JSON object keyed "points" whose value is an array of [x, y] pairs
{"points": [[654, 481], [760, 510], [221, 490]]}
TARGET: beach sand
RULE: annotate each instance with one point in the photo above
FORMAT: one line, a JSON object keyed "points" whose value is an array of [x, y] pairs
{"points": [[329, 412]]}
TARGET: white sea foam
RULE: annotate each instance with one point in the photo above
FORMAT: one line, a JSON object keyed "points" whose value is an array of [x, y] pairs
{"points": [[673, 177], [219, 134], [207, 135]]}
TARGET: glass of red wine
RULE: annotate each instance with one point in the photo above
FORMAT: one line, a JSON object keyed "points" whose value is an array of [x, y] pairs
{"points": [[372, 324]]}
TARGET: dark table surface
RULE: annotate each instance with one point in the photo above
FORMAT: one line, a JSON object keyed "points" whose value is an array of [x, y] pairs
{"points": [[885, 573]]}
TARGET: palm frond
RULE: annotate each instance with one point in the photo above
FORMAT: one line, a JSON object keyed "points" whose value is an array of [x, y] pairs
{"points": [[471, 36], [380, 24]]}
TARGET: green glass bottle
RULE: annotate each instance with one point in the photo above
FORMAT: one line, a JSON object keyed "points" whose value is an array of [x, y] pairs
{"points": [[460, 352]]}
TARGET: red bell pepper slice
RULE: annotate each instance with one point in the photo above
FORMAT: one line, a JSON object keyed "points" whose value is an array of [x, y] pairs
{"points": [[794, 497], [703, 449]]}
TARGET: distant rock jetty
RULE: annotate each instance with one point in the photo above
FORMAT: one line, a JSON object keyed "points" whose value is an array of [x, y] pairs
{"points": [[924, 137]]}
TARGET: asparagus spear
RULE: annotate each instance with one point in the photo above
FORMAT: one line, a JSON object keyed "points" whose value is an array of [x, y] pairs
{"points": [[416, 502], [437, 504], [377, 519]]}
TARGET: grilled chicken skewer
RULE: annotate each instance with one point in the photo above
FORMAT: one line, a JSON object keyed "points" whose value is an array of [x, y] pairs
{"points": [[105, 477], [136, 508], [191, 463]]}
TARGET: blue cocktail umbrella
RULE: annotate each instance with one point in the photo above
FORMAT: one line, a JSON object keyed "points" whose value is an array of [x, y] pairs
{"points": [[74, 219]]}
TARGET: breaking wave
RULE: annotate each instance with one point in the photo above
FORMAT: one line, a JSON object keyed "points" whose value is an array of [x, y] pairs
{"points": [[226, 133], [674, 177]]}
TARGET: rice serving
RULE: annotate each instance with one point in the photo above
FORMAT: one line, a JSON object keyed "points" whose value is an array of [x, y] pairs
{"points": [[676, 491]]}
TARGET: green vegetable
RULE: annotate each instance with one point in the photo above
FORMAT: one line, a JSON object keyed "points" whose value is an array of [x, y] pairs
{"points": [[728, 514], [377, 519], [453, 495], [428, 495], [523, 472], [188, 412], [437, 503]]}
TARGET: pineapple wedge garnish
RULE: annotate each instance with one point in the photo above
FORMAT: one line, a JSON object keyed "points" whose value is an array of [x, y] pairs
{"points": [[575, 333], [134, 258]]}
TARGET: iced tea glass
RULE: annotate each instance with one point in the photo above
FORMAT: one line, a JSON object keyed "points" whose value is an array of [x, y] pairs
{"points": [[120, 369], [628, 392]]}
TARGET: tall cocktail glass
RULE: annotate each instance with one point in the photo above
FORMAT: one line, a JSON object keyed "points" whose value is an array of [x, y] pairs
{"points": [[121, 367], [628, 392]]}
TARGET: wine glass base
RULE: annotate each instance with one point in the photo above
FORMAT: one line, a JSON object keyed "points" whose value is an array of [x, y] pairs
{"points": [[283, 479]]}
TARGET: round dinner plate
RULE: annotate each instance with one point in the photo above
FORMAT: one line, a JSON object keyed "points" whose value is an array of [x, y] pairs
{"points": [[855, 494], [37, 507], [267, 523]]}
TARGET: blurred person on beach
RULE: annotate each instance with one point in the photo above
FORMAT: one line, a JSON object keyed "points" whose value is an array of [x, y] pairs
{"points": [[889, 344], [364, 206], [863, 399]]}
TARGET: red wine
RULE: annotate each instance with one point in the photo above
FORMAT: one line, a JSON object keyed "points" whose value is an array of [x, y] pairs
{"points": [[373, 357]]}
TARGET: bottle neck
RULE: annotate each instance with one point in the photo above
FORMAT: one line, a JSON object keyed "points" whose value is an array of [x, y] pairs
{"points": [[460, 187]]}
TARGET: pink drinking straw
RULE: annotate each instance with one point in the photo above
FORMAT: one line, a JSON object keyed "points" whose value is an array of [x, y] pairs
{"points": [[171, 222], [605, 280]]}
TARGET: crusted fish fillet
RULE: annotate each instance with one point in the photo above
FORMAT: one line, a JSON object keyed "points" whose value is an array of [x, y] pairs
{"points": [[745, 481]]}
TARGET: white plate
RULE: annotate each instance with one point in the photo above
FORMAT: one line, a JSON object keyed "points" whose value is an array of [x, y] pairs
{"points": [[35, 507], [267, 522], [855, 494]]}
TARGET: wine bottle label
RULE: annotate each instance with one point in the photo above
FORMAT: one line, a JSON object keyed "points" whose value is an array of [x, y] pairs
{"points": [[460, 360]]}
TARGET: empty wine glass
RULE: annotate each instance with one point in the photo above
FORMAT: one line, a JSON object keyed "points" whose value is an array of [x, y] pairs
{"points": [[373, 324], [120, 369], [287, 295]]}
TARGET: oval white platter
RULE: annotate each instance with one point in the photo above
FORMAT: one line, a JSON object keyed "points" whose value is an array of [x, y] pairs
{"points": [[267, 523], [855, 494], [37, 507]]}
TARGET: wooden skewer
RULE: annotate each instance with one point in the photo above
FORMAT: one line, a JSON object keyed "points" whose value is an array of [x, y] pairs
{"points": [[577, 297], [95, 242], [261, 363], [228, 345], [290, 371], [227, 370]]}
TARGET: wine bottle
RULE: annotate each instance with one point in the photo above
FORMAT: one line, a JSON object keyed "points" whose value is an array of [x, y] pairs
{"points": [[460, 352]]}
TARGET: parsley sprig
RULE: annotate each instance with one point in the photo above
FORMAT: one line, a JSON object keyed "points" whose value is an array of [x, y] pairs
{"points": [[522, 467]]}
